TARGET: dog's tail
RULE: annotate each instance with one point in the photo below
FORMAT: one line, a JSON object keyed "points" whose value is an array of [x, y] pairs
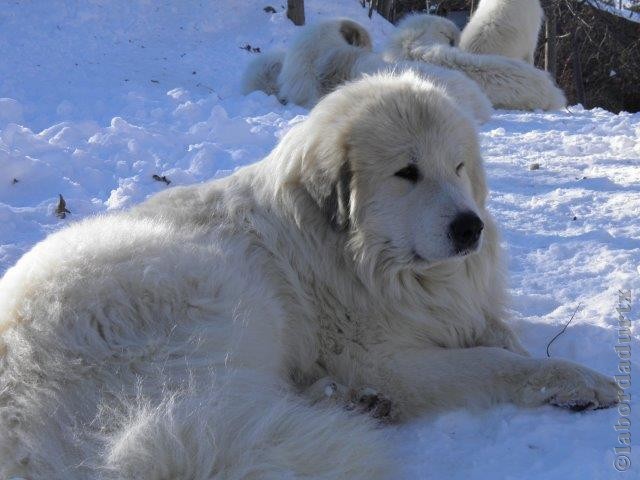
{"points": [[262, 73], [509, 83], [257, 431]]}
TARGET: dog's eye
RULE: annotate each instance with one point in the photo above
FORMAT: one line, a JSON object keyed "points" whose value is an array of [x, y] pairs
{"points": [[459, 168], [452, 42], [410, 173]]}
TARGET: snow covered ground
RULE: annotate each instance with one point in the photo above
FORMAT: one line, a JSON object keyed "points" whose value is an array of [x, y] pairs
{"points": [[622, 9], [97, 96]]}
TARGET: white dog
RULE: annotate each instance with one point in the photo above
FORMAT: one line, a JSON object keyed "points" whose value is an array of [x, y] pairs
{"points": [[330, 53], [356, 265], [510, 84], [319, 58], [504, 27]]}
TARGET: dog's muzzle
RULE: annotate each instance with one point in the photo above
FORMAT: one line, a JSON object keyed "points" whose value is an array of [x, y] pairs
{"points": [[465, 232]]}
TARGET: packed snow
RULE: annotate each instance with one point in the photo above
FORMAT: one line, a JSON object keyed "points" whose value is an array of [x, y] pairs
{"points": [[98, 96], [619, 8]]}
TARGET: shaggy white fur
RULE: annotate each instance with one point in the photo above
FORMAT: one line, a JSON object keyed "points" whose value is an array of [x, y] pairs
{"points": [[510, 84], [504, 27], [320, 59], [419, 30], [315, 63], [262, 73], [463, 91], [186, 338]]}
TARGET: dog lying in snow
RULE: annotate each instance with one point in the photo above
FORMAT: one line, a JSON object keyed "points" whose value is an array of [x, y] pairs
{"points": [[319, 60], [219, 330], [509, 83]]}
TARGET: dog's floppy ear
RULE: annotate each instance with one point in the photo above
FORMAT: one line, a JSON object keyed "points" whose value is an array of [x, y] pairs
{"points": [[327, 178], [355, 34], [337, 205], [475, 171]]}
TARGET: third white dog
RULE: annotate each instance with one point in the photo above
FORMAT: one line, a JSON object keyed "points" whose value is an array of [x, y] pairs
{"points": [[509, 83]]}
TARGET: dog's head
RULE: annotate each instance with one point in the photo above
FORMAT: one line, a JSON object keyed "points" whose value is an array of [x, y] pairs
{"points": [[333, 33], [420, 30], [391, 162], [355, 34]]}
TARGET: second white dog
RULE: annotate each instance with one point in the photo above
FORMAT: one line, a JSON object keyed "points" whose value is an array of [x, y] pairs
{"points": [[319, 60]]}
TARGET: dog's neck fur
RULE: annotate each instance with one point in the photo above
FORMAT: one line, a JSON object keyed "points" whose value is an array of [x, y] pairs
{"points": [[387, 296], [342, 299]]}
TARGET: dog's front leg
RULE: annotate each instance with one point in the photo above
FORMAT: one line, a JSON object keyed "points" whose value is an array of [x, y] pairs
{"points": [[436, 379], [497, 333], [362, 400]]}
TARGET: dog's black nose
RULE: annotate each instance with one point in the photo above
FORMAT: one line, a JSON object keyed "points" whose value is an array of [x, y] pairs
{"points": [[465, 231]]}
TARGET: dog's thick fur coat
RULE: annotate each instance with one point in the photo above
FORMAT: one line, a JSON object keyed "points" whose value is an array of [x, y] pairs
{"points": [[504, 27], [185, 338], [509, 84], [262, 73], [319, 60], [330, 53], [465, 93], [421, 30]]}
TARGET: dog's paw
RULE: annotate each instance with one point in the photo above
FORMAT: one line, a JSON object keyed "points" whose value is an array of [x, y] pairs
{"points": [[327, 391], [367, 400], [568, 385]]}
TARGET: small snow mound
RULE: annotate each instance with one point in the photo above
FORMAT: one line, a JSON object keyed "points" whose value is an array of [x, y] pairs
{"points": [[11, 111]]}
